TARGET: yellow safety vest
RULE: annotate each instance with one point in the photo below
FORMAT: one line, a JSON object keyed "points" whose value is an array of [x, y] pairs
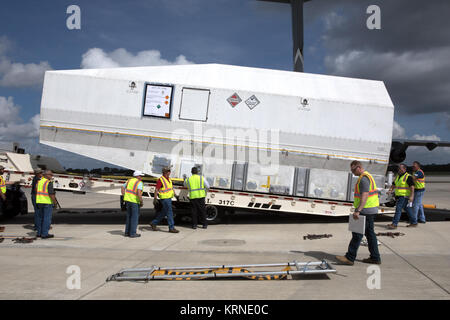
{"points": [[401, 186], [196, 186], [420, 183], [42, 195], [373, 200], [2, 185], [131, 191], [166, 192]]}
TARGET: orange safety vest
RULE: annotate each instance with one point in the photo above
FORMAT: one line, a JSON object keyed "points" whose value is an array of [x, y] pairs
{"points": [[131, 194], [166, 192], [42, 195], [373, 200], [420, 183]]}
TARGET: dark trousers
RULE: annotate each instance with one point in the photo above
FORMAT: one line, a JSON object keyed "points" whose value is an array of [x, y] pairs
{"points": [[132, 221], [44, 218], [198, 207], [166, 211], [371, 241]]}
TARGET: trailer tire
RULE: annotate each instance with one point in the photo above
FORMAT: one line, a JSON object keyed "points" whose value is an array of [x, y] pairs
{"points": [[214, 215], [16, 203]]}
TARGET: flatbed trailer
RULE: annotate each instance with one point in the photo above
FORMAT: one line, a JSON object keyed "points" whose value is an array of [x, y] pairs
{"points": [[217, 200]]}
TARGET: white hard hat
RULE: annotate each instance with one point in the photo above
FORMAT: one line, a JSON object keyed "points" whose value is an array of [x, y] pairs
{"points": [[137, 173]]}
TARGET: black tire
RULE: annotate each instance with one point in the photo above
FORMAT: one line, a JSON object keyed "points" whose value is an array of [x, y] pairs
{"points": [[15, 204], [214, 214]]}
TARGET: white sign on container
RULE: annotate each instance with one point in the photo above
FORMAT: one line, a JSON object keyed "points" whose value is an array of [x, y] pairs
{"points": [[158, 100]]}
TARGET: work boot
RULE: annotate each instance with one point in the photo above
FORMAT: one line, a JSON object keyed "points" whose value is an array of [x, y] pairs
{"points": [[391, 226], [344, 260], [371, 261], [137, 235], [174, 230], [411, 225], [47, 236], [154, 227]]}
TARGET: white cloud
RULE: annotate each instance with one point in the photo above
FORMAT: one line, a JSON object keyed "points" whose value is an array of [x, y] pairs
{"points": [[432, 137], [398, 132], [22, 75], [97, 58], [12, 127], [16, 74], [440, 155], [333, 20]]}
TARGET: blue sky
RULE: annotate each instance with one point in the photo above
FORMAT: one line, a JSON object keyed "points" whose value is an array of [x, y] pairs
{"points": [[247, 33]]}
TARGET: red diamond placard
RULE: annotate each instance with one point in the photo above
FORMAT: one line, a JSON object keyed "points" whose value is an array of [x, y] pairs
{"points": [[234, 100]]}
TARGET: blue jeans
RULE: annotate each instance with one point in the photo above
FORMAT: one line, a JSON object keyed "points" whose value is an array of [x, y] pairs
{"points": [[33, 201], [44, 218], [371, 241], [166, 211], [418, 206], [402, 203], [132, 218]]}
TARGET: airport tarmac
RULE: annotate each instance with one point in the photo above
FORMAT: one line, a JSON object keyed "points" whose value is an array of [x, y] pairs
{"points": [[89, 231]]}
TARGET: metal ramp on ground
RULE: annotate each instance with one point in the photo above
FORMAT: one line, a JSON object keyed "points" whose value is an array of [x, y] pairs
{"points": [[244, 271]]}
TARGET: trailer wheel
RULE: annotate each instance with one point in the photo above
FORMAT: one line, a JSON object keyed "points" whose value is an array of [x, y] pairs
{"points": [[15, 204], [213, 214]]}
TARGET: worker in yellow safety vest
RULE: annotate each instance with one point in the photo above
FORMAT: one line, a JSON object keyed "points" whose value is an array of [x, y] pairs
{"points": [[366, 203], [403, 189], [419, 190], [197, 186], [45, 201], [164, 191], [132, 195], [2, 186]]}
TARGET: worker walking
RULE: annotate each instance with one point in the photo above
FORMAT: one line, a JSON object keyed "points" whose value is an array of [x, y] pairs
{"points": [[36, 178], [45, 201], [164, 190], [419, 190], [132, 195], [366, 203], [197, 186], [404, 194]]}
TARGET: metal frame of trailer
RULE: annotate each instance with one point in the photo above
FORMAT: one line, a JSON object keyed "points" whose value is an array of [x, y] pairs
{"points": [[214, 198], [223, 272]]}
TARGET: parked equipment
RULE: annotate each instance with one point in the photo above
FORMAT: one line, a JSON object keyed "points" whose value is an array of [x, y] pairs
{"points": [[246, 271]]}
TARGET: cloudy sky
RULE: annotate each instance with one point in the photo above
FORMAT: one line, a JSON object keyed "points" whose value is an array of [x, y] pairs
{"points": [[411, 52]]}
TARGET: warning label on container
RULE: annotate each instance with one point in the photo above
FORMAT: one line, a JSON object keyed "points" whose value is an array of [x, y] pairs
{"points": [[234, 100], [252, 102], [157, 101]]}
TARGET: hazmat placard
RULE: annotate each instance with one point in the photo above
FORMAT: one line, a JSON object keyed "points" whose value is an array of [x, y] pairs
{"points": [[234, 100], [252, 102], [158, 100]]}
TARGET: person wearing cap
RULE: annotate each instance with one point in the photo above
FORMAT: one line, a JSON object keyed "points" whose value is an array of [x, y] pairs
{"points": [[36, 178], [164, 191], [197, 186], [45, 201], [132, 195]]}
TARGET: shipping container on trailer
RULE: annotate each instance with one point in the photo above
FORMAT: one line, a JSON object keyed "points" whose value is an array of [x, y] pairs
{"points": [[250, 130]]}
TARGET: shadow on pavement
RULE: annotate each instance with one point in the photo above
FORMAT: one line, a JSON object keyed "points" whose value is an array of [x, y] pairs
{"points": [[115, 216]]}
